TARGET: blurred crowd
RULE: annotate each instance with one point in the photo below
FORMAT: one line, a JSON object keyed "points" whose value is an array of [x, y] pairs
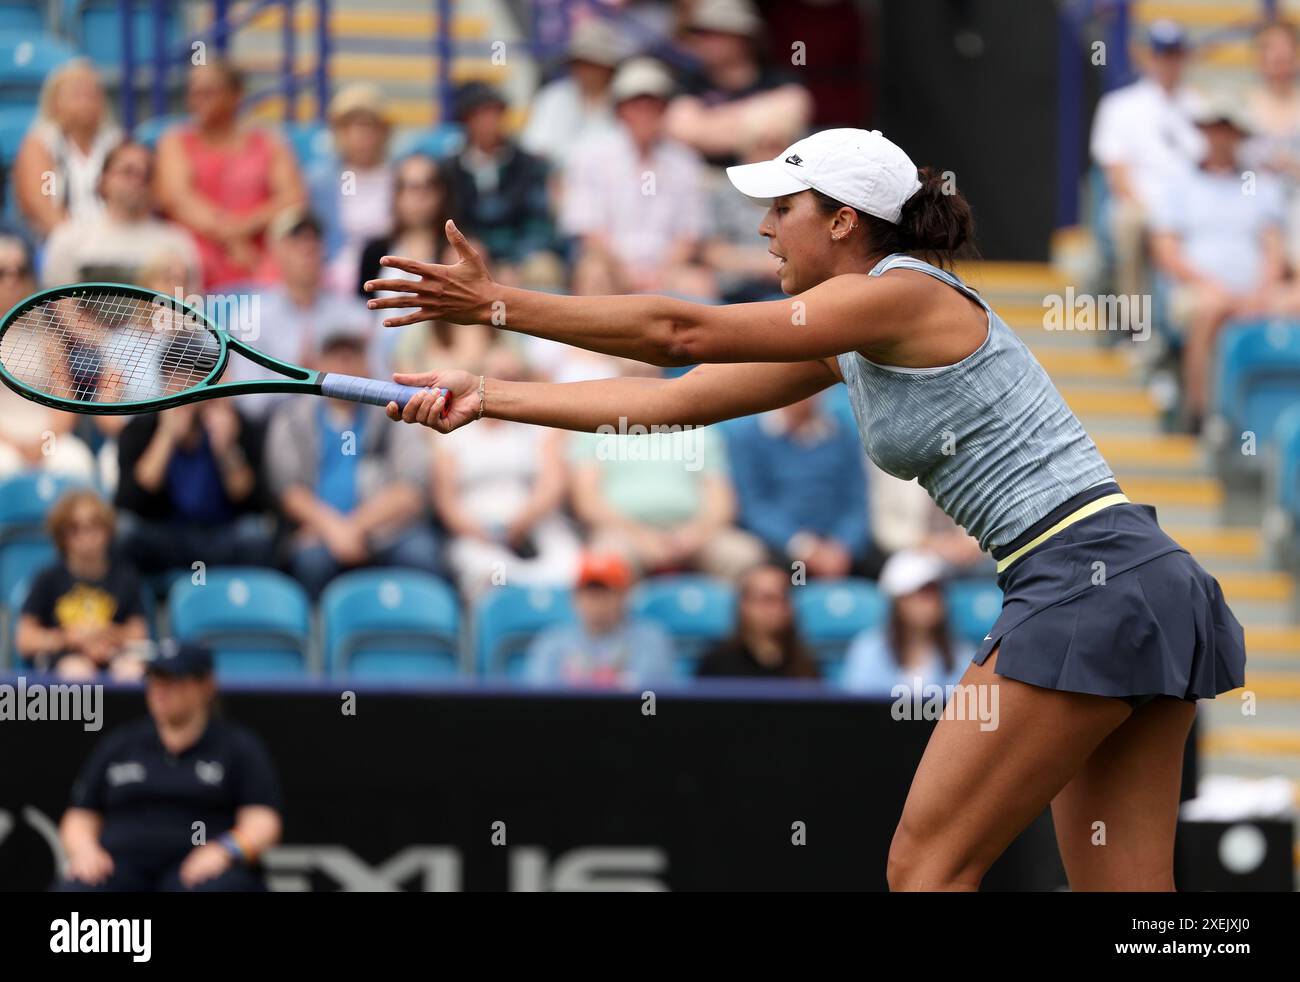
{"points": [[612, 184], [1197, 205]]}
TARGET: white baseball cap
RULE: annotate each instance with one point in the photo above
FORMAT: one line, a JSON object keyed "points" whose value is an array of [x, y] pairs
{"points": [[907, 571], [860, 168]]}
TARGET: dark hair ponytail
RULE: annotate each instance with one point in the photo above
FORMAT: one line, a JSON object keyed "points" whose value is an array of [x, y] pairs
{"points": [[936, 222]]}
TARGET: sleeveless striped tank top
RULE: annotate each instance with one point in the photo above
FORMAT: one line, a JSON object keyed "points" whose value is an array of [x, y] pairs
{"points": [[989, 437]]}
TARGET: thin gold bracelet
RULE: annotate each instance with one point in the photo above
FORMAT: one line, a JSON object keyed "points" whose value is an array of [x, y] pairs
{"points": [[482, 399]]}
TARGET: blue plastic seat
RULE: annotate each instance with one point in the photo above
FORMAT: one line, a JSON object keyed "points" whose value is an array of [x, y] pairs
{"points": [[697, 611], [441, 141], [1286, 446], [973, 606], [310, 142], [391, 624], [96, 25], [15, 121], [147, 131], [1257, 378], [830, 613], [25, 500], [257, 621], [506, 620], [22, 15], [26, 58]]}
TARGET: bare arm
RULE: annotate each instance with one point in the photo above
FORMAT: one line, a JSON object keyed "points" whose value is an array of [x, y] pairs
{"points": [[41, 210], [707, 394], [842, 314]]}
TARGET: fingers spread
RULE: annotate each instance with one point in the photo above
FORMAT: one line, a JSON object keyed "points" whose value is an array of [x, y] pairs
{"points": [[408, 319], [410, 265]]}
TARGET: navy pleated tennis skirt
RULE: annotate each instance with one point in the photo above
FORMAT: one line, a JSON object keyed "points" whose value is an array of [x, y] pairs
{"points": [[1112, 606]]}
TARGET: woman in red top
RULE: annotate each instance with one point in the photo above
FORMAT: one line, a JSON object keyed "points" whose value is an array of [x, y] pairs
{"points": [[224, 181]]}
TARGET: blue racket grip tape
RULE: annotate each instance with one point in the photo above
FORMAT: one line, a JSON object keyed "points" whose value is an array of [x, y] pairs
{"points": [[369, 390]]}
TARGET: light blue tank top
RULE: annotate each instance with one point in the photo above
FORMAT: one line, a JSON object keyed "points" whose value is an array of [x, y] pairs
{"points": [[989, 437]]}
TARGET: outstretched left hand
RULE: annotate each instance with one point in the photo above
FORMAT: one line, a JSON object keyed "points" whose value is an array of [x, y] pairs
{"points": [[459, 293]]}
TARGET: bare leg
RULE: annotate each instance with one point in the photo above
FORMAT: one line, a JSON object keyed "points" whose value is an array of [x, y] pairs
{"points": [[1115, 820], [976, 790]]}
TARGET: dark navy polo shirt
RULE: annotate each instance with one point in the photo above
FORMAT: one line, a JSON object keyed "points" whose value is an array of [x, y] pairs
{"points": [[150, 798]]}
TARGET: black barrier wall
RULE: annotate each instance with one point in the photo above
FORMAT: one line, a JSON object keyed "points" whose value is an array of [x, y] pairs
{"points": [[584, 791], [537, 791]]}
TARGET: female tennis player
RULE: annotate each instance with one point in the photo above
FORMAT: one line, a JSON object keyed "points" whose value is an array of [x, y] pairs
{"points": [[1109, 630]]}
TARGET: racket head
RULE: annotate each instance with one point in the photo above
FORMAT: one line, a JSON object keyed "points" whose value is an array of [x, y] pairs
{"points": [[109, 349]]}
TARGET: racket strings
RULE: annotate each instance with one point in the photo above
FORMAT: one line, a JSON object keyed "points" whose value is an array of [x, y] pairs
{"points": [[108, 347]]}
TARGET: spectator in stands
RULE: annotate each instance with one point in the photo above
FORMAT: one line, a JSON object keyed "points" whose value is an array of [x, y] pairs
{"points": [[151, 786], [57, 169], [735, 89], [500, 193], [916, 642], [1273, 111], [188, 490], [296, 313], [441, 344], [33, 437], [352, 488], [745, 269], [83, 614], [1143, 137], [420, 212], [352, 190], [636, 198], [576, 106], [605, 648], [225, 181], [500, 495], [801, 480], [664, 500], [1221, 247], [766, 643], [117, 243]]}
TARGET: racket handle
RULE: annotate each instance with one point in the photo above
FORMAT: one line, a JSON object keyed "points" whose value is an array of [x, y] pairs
{"points": [[368, 390]]}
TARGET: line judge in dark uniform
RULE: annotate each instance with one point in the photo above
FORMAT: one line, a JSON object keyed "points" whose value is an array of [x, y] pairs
{"points": [[132, 823]]}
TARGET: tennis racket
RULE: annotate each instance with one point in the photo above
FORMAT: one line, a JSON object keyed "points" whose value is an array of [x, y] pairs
{"points": [[113, 349]]}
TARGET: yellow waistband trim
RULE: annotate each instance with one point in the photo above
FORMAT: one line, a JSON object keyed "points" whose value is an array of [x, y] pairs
{"points": [[1091, 508]]}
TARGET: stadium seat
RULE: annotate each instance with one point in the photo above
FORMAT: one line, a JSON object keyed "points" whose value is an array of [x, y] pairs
{"points": [[149, 130], [1257, 377], [19, 562], [22, 15], [310, 141], [96, 26], [26, 58], [1282, 519], [508, 617], [391, 624], [443, 140], [696, 610], [25, 500], [15, 121], [830, 613], [973, 606], [257, 621]]}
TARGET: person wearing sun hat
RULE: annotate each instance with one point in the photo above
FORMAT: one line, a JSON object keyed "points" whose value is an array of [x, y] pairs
{"points": [[1219, 248], [576, 106], [635, 197], [352, 186]]}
